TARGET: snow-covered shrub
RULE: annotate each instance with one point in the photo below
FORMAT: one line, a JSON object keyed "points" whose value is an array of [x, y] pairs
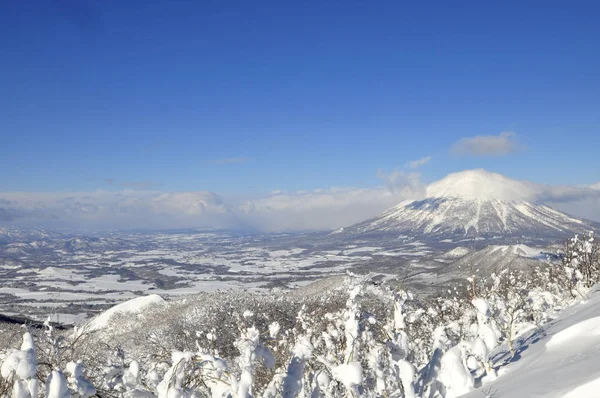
{"points": [[19, 369], [581, 262], [56, 385], [78, 384], [510, 303]]}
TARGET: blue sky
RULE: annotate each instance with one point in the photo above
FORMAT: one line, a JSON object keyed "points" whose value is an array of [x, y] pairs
{"points": [[243, 98]]}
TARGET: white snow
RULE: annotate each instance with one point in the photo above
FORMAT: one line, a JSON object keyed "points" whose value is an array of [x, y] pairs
{"points": [[481, 306], [555, 361], [76, 378], [133, 306], [337, 231], [519, 250], [584, 332], [459, 251], [56, 386], [454, 375], [349, 374], [21, 367], [589, 389]]}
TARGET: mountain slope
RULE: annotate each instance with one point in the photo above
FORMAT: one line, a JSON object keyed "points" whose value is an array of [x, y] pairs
{"points": [[494, 258], [472, 204], [560, 359]]}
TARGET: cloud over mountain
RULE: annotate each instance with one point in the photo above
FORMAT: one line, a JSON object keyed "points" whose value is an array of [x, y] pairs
{"points": [[579, 201]]}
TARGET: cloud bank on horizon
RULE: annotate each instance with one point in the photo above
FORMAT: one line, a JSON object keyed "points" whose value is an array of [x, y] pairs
{"points": [[320, 209]]}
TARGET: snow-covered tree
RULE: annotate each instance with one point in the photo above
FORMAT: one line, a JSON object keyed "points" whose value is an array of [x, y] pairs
{"points": [[581, 262], [19, 369]]}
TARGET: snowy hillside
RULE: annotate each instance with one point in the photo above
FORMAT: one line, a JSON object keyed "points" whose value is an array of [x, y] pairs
{"points": [[461, 263], [498, 257], [558, 360], [473, 204], [130, 307]]}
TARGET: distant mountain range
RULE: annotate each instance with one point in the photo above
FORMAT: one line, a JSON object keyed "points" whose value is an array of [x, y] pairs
{"points": [[473, 204]]}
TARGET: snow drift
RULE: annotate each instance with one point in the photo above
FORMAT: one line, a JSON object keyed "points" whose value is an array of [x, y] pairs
{"points": [[132, 306]]}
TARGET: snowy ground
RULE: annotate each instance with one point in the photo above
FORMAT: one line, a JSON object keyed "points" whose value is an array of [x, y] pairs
{"points": [[560, 360], [84, 275]]}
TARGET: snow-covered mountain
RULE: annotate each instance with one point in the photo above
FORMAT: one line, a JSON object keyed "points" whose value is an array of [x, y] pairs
{"points": [[9, 234], [474, 204]]}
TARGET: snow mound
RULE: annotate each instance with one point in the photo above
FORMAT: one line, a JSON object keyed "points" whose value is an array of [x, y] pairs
{"points": [[575, 334], [133, 306], [457, 252], [481, 184], [589, 389]]}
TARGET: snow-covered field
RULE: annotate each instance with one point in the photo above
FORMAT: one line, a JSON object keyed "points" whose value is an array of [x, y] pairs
{"points": [[83, 275]]}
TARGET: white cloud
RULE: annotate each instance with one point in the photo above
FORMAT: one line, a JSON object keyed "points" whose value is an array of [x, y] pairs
{"points": [[487, 145], [584, 206], [318, 209], [330, 208], [280, 211], [582, 202], [419, 162], [123, 209], [402, 182]]}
